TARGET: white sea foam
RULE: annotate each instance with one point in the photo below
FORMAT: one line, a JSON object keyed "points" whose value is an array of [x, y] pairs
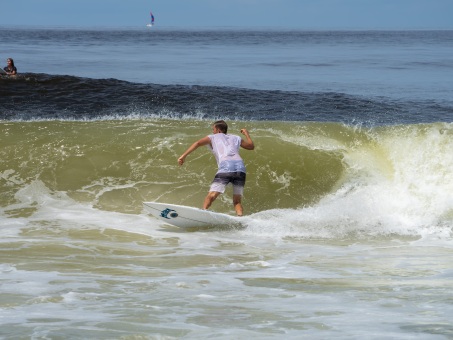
{"points": [[397, 183]]}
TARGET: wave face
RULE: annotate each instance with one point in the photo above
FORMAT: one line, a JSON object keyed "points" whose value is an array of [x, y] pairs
{"points": [[40, 96], [327, 179]]}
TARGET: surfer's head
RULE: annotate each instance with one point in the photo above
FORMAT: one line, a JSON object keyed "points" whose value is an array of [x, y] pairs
{"points": [[221, 125]]}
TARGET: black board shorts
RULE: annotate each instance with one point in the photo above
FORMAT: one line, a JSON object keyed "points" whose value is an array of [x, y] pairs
{"points": [[221, 180]]}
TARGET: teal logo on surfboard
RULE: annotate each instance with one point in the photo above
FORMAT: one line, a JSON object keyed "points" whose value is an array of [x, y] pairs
{"points": [[168, 212]]}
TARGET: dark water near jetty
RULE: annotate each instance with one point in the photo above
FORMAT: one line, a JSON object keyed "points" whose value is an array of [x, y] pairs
{"points": [[39, 96]]}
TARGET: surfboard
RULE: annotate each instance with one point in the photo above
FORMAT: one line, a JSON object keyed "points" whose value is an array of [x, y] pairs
{"points": [[188, 217], [2, 71]]}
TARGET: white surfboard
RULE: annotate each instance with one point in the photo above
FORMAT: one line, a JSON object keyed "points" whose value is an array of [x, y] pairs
{"points": [[189, 217]]}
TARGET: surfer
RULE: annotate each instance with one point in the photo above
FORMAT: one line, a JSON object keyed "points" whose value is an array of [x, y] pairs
{"points": [[10, 69], [231, 168]]}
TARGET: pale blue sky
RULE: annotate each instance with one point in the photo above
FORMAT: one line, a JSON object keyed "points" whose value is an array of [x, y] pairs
{"points": [[305, 14]]}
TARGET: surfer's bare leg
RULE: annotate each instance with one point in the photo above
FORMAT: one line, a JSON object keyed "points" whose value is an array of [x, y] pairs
{"points": [[212, 195], [237, 204]]}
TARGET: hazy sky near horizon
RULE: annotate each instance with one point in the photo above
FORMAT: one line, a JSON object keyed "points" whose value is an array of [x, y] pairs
{"points": [[304, 14]]}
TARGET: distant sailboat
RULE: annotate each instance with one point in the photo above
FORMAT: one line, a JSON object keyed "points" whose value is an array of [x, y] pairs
{"points": [[152, 20]]}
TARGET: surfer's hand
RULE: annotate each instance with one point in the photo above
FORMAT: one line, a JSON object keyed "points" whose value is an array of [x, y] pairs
{"points": [[247, 144], [245, 133], [181, 160]]}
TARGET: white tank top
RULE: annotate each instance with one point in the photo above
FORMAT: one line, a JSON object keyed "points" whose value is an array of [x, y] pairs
{"points": [[226, 151]]}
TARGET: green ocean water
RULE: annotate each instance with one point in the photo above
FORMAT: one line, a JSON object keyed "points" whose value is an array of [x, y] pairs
{"points": [[115, 165], [346, 227]]}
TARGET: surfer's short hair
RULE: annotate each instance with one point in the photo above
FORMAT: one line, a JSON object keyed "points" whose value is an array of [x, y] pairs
{"points": [[221, 125]]}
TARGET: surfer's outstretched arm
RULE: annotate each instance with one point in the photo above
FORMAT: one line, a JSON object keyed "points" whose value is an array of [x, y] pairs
{"points": [[248, 143], [193, 147]]}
